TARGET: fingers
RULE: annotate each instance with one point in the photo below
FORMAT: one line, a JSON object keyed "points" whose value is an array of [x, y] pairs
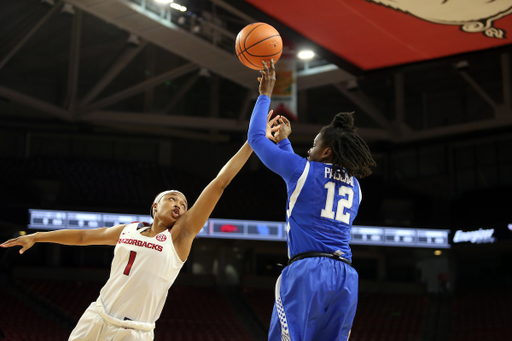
{"points": [[24, 248], [275, 128], [265, 66], [267, 79], [272, 69], [10, 242], [26, 244], [273, 121], [266, 69], [14, 242], [285, 120]]}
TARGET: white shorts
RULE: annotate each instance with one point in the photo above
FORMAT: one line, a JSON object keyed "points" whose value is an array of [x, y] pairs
{"points": [[93, 327]]}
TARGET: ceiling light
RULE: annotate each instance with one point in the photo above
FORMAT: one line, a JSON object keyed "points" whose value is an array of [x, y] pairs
{"points": [[164, 1], [178, 7], [306, 54]]}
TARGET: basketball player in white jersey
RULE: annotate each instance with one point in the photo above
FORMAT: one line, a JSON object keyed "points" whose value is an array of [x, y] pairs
{"points": [[147, 259]]}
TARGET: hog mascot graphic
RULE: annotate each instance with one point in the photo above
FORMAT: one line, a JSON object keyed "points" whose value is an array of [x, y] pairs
{"points": [[471, 15]]}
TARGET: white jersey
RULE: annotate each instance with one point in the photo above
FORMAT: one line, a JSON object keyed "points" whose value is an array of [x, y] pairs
{"points": [[143, 270]]}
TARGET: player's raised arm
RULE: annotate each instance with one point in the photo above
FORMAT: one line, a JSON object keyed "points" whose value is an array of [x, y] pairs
{"points": [[278, 158], [193, 221], [100, 236]]}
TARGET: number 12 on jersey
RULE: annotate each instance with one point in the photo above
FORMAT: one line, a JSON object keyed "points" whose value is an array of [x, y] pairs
{"points": [[347, 197]]}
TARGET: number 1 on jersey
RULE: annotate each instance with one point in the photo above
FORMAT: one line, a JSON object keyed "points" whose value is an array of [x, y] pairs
{"points": [[327, 212], [133, 254]]}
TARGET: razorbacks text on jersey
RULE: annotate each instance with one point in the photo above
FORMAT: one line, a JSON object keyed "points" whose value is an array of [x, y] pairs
{"points": [[143, 270]]}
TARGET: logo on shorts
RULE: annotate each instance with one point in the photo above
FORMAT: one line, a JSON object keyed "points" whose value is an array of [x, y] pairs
{"points": [[471, 16], [161, 238]]}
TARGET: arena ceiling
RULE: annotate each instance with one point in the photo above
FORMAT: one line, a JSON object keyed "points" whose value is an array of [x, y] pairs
{"points": [[374, 34], [410, 69]]}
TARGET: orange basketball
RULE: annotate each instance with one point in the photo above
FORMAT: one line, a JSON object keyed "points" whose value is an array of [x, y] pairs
{"points": [[257, 42]]}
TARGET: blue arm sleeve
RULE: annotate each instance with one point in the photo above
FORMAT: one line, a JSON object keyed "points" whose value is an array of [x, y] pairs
{"points": [[282, 162], [285, 145]]}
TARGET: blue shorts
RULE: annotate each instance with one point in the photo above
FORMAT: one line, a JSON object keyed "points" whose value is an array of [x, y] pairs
{"points": [[316, 299]]}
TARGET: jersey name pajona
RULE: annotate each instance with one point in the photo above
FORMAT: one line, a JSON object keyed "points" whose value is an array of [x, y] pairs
{"points": [[143, 270], [321, 208]]}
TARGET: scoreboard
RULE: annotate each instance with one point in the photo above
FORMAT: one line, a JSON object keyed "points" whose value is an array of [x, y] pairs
{"points": [[242, 229], [399, 236]]}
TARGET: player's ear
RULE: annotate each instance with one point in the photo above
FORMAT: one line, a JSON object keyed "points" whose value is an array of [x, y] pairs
{"points": [[327, 153]]}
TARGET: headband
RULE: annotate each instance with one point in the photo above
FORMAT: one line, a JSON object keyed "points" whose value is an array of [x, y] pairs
{"points": [[161, 195]]}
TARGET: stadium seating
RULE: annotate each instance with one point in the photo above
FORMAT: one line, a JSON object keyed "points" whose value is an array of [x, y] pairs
{"points": [[70, 297], [20, 322], [261, 302], [380, 317], [389, 317], [190, 313], [482, 315], [199, 314]]}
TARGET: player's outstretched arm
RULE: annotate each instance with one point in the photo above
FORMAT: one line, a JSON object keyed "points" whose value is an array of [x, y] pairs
{"points": [[193, 221], [100, 236]]}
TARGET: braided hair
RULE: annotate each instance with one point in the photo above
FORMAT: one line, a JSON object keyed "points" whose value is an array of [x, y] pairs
{"points": [[350, 152]]}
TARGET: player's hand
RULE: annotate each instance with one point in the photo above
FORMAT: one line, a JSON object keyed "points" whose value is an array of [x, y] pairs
{"points": [[272, 126], [25, 242], [267, 79], [285, 129]]}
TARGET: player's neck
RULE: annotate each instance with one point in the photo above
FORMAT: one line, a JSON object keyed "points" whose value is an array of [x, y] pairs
{"points": [[158, 227]]}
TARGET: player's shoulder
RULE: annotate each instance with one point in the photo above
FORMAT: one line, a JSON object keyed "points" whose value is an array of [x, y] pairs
{"points": [[125, 227], [119, 227]]}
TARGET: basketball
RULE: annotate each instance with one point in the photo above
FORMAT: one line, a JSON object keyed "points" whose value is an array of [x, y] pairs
{"points": [[257, 42]]}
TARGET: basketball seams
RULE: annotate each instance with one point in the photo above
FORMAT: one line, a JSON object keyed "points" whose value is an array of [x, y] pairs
{"points": [[246, 61], [249, 34], [238, 47], [260, 50], [263, 55], [247, 48]]}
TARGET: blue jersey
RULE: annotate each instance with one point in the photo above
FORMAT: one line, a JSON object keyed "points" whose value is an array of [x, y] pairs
{"points": [[321, 206]]}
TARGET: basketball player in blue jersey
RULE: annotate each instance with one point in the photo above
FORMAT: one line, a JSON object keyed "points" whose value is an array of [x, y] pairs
{"points": [[316, 294], [147, 259]]}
